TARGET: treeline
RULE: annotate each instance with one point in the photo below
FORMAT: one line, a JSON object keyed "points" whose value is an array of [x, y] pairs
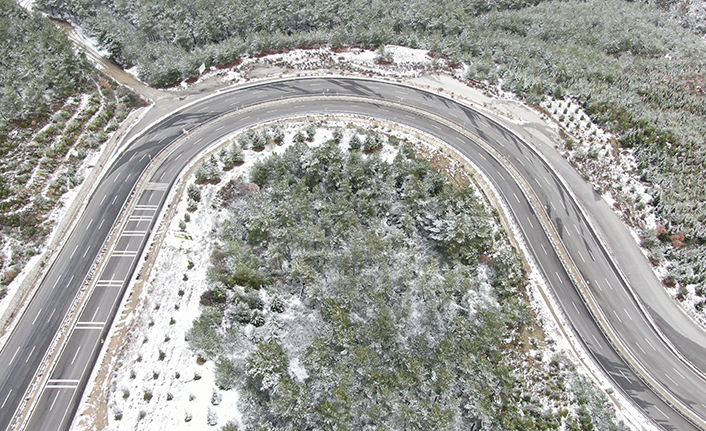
{"points": [[354, 293], [633, 67], [38, 68]]}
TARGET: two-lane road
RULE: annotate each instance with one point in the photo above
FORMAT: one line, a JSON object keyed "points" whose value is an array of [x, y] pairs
{"points": [[454, 123]]}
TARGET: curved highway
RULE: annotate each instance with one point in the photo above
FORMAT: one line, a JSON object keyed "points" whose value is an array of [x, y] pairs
{"points": [[672, 392]]}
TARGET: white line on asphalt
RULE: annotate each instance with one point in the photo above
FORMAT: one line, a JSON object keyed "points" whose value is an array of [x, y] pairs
{"points": [[89, 224], [591, 254], [521, 162], [648, 342], [616, 315], [577, 230], [234, 103], [626, 312], [562, 204], [199, 140], [100, 225], [114, 199], [6, 398], [57, 282], [37, 316], [161, 176], [671, 380], [518, 199], [581, 256], [483, 157], [177, 157], [639, 347], [127, 178], [75, 355], [220, 128], [530, 222], [72, 254], [86, 252], [623, 374], [103, 200], [30, 354], [551, 204], [606, 281], [143, 156], [557, 276], [116, 177], [575, 307], [94, 314], [568, 232], [52, 403], [661, 412], [51, 315], [680, 374], [13, 356], [596, 340], [599, 286], [543, 249]]}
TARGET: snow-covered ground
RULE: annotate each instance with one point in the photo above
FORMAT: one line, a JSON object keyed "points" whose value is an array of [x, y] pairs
{"points": [[157, 382]]}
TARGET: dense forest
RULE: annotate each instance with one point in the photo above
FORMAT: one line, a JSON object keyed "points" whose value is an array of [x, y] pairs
{"points": [[349, 292], [636, 68]]}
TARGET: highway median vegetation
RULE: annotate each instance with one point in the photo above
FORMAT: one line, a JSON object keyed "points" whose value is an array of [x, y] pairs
{"points": [[351, 290]]}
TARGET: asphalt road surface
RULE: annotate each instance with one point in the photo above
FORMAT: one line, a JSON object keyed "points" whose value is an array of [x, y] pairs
{"points": [[27, 347]]}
